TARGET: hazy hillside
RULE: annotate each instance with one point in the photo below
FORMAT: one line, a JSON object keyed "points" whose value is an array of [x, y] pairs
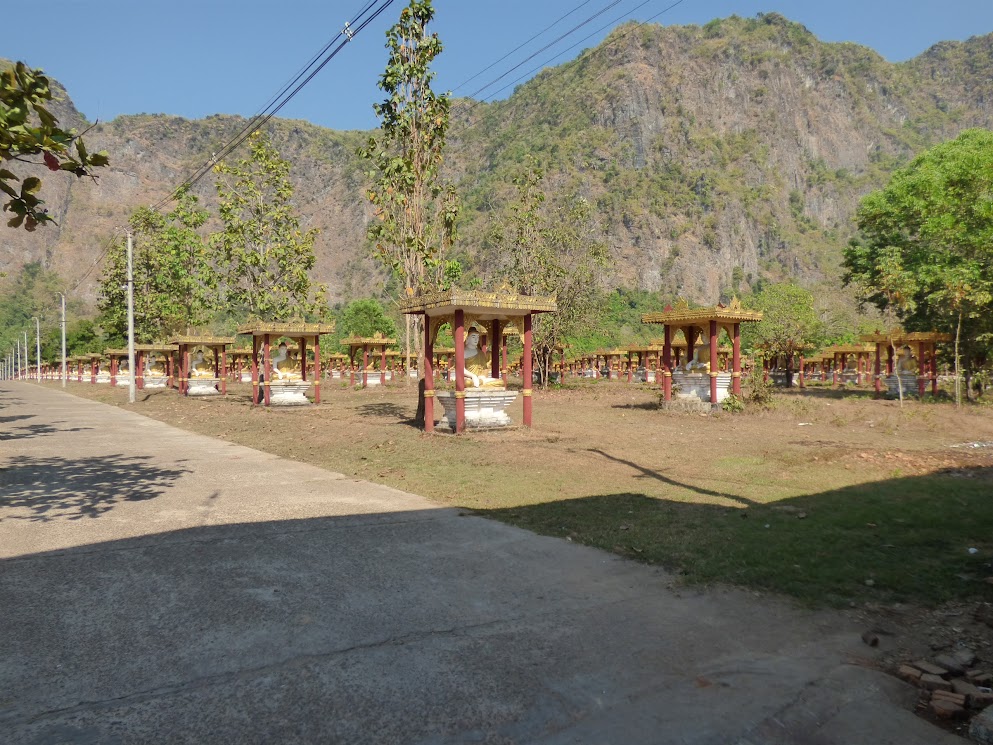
{"points": [[715, 154]]}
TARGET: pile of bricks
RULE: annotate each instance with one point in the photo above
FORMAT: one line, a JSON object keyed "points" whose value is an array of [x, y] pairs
{"points": [[950, 685]]}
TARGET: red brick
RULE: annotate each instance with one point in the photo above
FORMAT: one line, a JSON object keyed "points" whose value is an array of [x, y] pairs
{"points": [[935, 683], [909, 674], [946, 709]]}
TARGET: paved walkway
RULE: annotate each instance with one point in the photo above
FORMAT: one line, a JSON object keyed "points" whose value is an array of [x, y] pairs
{"points": [[159, 586]]}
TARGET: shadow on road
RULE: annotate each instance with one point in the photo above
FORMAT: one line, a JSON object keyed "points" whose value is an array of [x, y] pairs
{"points": [[35, 430], [49, 489]]}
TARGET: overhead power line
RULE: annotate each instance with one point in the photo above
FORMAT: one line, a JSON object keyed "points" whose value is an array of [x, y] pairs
{"points": [[369, 13], [470, 107]]}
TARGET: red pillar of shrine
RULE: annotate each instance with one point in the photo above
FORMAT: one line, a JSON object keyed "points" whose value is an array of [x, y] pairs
{"points": [[113, 371], [736, 360], [496, 333], [224, 371], [365, 365], [803, 383], [933, 369], [266, 369], [317, 369], [921, 370], [140, 372], [889, 359], [667, 364], [878, 372], [351, 365], [630, 369], [714, 363], [459, 333], [184, 369], [255, 370], [382, 366], [526, 370], [428, 376]]}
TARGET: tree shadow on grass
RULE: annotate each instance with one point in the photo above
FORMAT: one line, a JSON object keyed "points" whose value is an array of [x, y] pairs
{"points": [[643, 406], [833, 394], [50, 489], [897, 540], [401, 414]]}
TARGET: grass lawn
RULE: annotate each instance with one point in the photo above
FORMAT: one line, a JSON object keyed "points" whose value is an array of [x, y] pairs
{"points": [[829, 497]]}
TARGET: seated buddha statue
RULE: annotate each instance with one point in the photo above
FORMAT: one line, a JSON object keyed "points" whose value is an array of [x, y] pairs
{"points": [[700, 362], [201, 367], [154, 368], [478, 365], [907, 363], [285, 366]]}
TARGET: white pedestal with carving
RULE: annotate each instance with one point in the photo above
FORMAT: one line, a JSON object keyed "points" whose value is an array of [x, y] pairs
{"points": [[697, 385], [203, 387], [484, 409], [156, 382], [289, 393], [103, 378], [909, 381]]}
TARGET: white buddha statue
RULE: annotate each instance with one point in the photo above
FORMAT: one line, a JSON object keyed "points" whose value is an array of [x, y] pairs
{"points": [[285, 366], [201, 367], [478, 364], [154, 367], [701, 360]]}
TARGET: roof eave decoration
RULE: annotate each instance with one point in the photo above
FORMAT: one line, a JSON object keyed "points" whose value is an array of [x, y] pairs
{"points": [[205, 340], [683, 314], [290, 328], [502, 302]]}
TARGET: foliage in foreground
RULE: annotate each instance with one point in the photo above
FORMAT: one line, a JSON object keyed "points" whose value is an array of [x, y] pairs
{"points": [[28, 128]]}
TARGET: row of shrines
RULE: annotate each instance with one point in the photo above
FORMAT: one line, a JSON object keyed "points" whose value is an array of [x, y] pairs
{"points": [[689, 359]]}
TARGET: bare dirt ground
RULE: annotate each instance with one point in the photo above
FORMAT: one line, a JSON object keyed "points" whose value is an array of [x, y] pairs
{"points": [[604, 439]]}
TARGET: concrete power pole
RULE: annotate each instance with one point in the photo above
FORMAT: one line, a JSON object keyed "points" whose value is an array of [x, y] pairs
{"points": [[37, 341], [131, 370], [27, 362], [17, 354], [64, 371]]}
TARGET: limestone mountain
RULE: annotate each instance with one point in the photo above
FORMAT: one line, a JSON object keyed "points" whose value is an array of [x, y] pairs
{"points": [[715, 155]]}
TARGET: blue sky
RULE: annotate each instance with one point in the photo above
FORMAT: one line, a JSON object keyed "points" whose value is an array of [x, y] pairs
{"points": [[197, 57]]}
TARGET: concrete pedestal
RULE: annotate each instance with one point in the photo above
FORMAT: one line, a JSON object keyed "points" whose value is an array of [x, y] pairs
{"points": [[484, 409]]}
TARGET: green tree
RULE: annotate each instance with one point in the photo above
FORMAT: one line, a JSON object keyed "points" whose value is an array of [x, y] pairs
{"points": [[555, 250], [789, 327], [32, 292], [175, 284], [28, 128], [365, 318], [415, 214], [925, 249], [266, 257]]}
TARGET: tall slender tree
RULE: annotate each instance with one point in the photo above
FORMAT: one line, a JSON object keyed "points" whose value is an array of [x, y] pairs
{"points": [[415, 213], [267, 257]]}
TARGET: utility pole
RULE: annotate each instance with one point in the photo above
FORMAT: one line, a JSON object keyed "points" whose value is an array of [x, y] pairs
{"points": [[131, 370], [37, 341], [64, 372], [27, 362], [17, 354]]}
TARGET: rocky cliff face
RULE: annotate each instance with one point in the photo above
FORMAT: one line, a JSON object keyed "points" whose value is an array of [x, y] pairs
{"points": [[715, 155]]}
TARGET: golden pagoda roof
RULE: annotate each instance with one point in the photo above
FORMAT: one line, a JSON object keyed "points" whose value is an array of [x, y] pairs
{"points": [[116, 352], [900, 337], [207, 341], [155, 348], [483, 305], [292, 329], [681, 313], [376, 339]]}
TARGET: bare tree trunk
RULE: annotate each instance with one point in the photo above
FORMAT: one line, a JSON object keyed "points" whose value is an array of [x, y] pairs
{"points": [[406, 367], [896, 371], [958, 372]]}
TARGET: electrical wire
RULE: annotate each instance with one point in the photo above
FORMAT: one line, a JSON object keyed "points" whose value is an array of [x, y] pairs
{"points": [[276, 103], [470, 107], [513, 51]]}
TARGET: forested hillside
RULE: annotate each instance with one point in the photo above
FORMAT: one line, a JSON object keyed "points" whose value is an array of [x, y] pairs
{"points": [[715, 156]]}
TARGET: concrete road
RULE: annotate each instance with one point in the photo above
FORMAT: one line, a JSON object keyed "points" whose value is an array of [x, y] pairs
{"points": [[162, 587]]}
